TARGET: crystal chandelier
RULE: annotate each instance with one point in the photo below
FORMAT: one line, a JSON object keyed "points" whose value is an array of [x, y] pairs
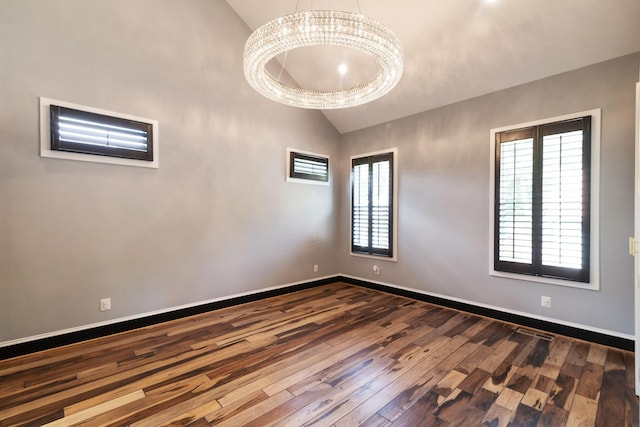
{"points": [[328, 28]]}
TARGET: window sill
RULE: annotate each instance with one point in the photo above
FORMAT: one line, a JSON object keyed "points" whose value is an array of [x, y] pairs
{"points": [[376, 257], [592, 286]]}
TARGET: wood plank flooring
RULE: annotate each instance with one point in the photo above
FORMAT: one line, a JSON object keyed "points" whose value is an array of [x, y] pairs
{"points": [[336, 355]]}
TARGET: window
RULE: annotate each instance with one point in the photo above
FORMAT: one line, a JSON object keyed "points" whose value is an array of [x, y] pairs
{"points": [[307, 168], [542, 204], [81, 133], [373, 204]]}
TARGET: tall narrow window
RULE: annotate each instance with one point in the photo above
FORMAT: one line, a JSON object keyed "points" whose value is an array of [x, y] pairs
{"points": [[372, 202], [543, 200]]}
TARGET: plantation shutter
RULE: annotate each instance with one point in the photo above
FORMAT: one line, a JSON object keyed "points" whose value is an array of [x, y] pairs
{"points": [[380, 206], [91, 133], [515, 220], [542, 200], [565, 195], [305, 166], [361, 218], [372, 210]]}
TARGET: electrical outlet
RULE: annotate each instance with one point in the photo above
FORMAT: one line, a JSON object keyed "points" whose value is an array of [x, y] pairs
{"points": [[105, 304], [545, 302], [376, 270], [315, 268]]}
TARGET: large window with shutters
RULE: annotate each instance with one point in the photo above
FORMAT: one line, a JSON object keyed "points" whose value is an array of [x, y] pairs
{"points": [[373, 204], [543, 200]]}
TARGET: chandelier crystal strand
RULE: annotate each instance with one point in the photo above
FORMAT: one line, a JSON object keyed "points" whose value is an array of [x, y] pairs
{"points": [[329, 28]]}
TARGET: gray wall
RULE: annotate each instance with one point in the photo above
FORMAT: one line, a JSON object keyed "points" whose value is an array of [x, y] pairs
{"points": [[444, 157], [216, 218]]}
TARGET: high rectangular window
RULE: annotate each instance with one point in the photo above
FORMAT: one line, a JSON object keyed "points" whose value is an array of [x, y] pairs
{"points": [[307, 167], [373, 204], [80, 131], [542, 200], [75, 132]]}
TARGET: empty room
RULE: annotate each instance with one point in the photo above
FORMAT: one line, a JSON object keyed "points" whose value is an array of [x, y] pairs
{"points": [[319, 213]]}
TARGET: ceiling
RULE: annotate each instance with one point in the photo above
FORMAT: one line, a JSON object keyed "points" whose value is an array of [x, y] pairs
{"points": [[458, 49]]}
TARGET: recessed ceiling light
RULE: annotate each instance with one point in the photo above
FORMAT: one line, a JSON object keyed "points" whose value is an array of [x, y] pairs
{"points": [[342, 69]]}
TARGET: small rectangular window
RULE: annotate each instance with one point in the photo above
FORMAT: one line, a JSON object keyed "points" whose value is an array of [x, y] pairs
{"points": [[373, 205], [307, 168], [82, 133], [542, 223]]}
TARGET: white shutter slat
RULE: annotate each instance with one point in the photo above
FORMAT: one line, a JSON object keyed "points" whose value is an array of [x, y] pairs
{"points": [[380, 204], [361, 205], [562, 200], [515, 201], [96, 133], [309, 167]]}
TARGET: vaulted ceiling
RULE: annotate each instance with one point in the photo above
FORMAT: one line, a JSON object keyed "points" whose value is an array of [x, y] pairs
{"points": [[458, 49]]}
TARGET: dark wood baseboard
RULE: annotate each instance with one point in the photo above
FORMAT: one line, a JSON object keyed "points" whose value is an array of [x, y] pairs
{"points": [[127, 325], [555, 328], [100, 331]]}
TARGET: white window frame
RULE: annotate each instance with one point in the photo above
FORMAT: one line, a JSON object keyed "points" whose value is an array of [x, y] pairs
{"points": [[45, 136], [301, 180], [594, 274], [394, 242]]}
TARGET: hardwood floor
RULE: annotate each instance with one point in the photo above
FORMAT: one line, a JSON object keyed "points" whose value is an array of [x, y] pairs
{"points": [[336, 355]]}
